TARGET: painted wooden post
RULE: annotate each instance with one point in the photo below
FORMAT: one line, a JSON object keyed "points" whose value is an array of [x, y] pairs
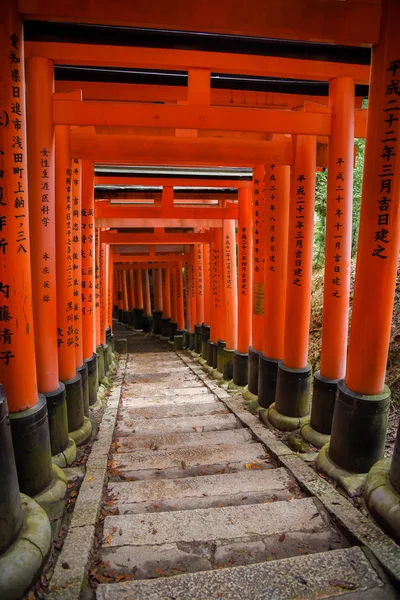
{"points": [[166, 296], [146, 301], [293, 388], [158, 301], [199, 286]]}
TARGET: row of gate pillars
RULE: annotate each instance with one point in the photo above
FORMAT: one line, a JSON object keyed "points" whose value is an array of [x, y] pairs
{"points": [[56, 343]]}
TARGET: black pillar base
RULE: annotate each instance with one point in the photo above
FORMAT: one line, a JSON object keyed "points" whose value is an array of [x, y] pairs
{"points": [[115, 311], [125, 317], [32, 449], [58, 419], [394, 473], [92, 379], [83, 372], [109, 341], [131, 318], [240, 368], [323, 403], [147, 323], [157, 316], [210, 353], [74, 393], [253, 371], [179, 339], [187, 339], [358, 429], [205, 336], [191, 341], [267, 377], [293, 391], [138, 314], [228, 358], [165, 321], [220, 356], [107, 358], [197, 338], [173, 327], [100, 362], [10, 500], [120, 315], [215, 355]]}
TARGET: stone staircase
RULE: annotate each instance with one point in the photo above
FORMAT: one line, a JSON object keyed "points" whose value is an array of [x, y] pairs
{"points": [[200, 510]]}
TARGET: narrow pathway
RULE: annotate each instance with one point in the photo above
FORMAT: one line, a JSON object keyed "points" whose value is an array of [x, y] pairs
{"points": [[196, 508]]}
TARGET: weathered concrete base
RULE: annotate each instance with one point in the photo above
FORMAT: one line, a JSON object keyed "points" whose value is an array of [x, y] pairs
{"points": [[82, 435], [247, 395], [66, 457], [282, 422], [121, 345], [234, 387], [317, 439], [56, 490], [21, 563], [382, 500], [352, 483]]}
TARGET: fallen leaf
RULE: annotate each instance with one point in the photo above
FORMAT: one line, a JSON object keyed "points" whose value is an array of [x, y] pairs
{"points": [[344, 585], [301, 579], [155, 507], [220, 505], [108, 539], [281, 538], [154, 531], [89, 478], [252, 466]]}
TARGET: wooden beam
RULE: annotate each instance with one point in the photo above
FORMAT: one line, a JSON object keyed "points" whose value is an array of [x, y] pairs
{"points": [[175, 182], [123, 114], [131, 264], [162, 150], [142, 222], [117, 238], [104, 210], [353, 22]]}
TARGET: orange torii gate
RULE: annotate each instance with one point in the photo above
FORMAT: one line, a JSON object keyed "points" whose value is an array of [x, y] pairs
{"points": [[51, 228]]}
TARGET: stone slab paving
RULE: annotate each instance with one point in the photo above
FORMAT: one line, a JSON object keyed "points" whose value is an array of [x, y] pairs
{"points": [[183, 487]]}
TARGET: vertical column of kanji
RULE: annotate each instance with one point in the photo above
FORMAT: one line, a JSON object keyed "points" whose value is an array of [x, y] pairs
{"points": [[29, 421], [110, 301], [79, 425], [199, 286], [362, 403], [293, 387], [188, 306], [213, 301], [193, 302], [87, 273], [230, 313], [81, 366], [97, 306], [158, 301], [118, 276], [205, 329], [220, 320], [104, 302], [138, 310], [180, 303], [277, 198], [337, 262], [40, 84], [146, 300], [173, 325], [245, 243], [166, 298], [251, 391]]}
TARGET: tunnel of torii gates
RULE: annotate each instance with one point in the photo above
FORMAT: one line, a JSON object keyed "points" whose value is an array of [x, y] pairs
{"points": [[218, 263]]}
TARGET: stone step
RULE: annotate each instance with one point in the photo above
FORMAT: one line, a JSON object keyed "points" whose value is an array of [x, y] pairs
{"points": [[131, 391], [179, 440], [322, 575], [163, 379], [164, 408], [201, 539], [184, 462], [248, 487], [197, 424], [158, 369]]}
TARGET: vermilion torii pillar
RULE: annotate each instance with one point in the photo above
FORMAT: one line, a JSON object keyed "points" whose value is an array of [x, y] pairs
{"points": [[199, 285], [180, 332], [205, 328], [173, 325], [79, 426], [337, 262], [28, 409], [229, 278], [110, 302], [192, 290], [217, 330], [362, 403], [88, 278], [277, 197], [146, 301], [251, 391], [76, 188], [166, 296], [293, 387], [118, 279], [245, 248], [99, 322], [40, 88], [158, 304], [138, 291]]}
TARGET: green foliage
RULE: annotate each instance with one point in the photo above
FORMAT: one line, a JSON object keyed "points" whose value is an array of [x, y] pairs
{"points": [[320, 207]]}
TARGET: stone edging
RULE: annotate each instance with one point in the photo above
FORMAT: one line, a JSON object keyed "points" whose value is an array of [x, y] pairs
{"points": [[70, 575], [357, 526]]}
